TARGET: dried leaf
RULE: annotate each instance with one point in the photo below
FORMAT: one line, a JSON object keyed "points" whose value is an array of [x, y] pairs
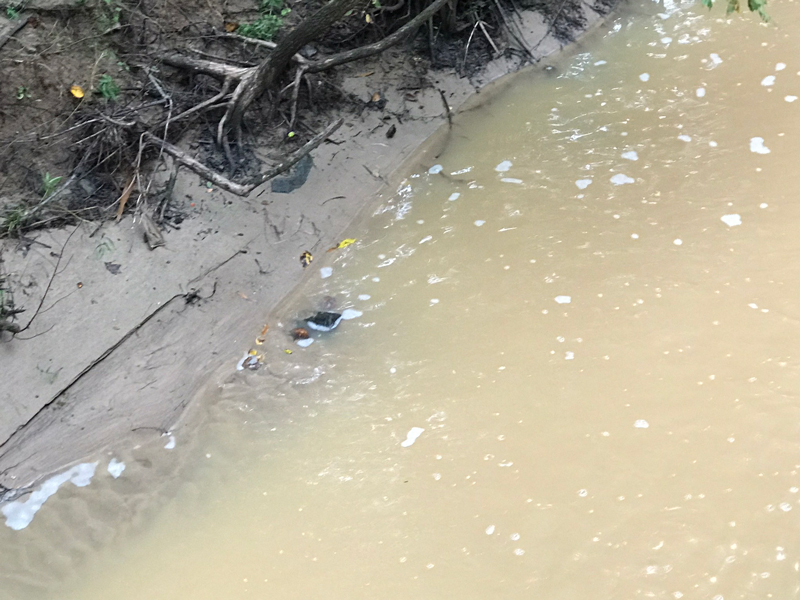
{"points": [[367, 74], [368, 18], [76, 91], [230, 26], [264, 331], [342, 244], [306, 258], [126, 194]]}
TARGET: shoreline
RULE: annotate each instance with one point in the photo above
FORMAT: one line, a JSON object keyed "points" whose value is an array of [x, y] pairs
{"points": [[132, 337]]}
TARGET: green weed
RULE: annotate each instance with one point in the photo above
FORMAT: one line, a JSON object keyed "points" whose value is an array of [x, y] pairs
{"points": [[107, 87], [269, 23]]}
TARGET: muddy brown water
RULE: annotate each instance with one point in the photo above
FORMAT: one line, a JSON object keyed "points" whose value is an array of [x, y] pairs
{"points": [[574, 372]]}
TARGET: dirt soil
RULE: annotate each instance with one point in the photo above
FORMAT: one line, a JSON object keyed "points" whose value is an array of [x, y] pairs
{"points": [[127, 337]]}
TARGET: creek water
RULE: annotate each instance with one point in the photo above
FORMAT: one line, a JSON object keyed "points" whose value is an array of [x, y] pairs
{"points": [[572, 369]]}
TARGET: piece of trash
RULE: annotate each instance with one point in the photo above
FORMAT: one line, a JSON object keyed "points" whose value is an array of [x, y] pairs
{"points": [[568, 355], [19, 514], [116, 467], [685, 138], [511, 180], [644, 76], [731, 220], [325, 272], [170, 444], [80, 284], [76, 91], [489, 530], [563, 299], [435, 169], [391, 131], [412, 436], [305, 343], [251, 360], [768, 81], [351, 313], [306, 258], [343, 244], [480, 223], [641, 424], [454, 196], [113, 268], [324, 321], [700, 92], [757, 146], [287, 351], [298, 333], [583, 183], [677, 241], [621, 179], [630, 155], [504, 166]]}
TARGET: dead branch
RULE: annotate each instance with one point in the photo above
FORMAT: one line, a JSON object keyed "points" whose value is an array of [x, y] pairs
{"points": [[238, 188], [298, 58], [49, 283], [22, 20], [207, 67], [380, 46]]}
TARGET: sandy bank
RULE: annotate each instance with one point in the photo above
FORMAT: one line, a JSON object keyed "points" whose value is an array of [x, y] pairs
{"points": [[128, 336]]}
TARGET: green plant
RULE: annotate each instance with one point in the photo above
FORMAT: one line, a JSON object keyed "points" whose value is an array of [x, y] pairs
{"points": [[756, 6], [107, 87], [109, 15], [49, 184], [12, 219], [12, 13], [22, 93], [268, 24]]}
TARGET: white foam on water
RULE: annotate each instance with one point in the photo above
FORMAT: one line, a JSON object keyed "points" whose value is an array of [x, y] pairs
{"points": [[641, 424], [763, 205], [731, 220], [480, 223], [644, 76], [621, 179], [434, 301], [780, 66], [757, 146], [412, 436], [171, 443], [630, 155], [325, 272], [435, 169], [684, 138], [511, 180], [427, 238], [376, 279], [503, 166], [364, 296], [563, 299], [713, 144], [715, 59], [583, 183], [569, 355], [677, 241], [583, 493], [700, 92], [116, 467], [305, 343], [790, 98], [351, 313], [489, 530], [20, 514], [768, 81], [666, 40], [600, 63], [635, 236], [454, 196]]}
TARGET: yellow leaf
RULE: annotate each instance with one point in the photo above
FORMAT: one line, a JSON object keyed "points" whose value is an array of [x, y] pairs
{"points": [[76, 91], [369, 19], [288, 351], [346, 243]]}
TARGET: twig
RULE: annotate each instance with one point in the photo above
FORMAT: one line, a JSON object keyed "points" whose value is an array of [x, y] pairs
{"points": [[22, 21], [466, 50], [266, 44], [238, 188], [50, 282], [488, 37], [301, 71], [446, 108]]}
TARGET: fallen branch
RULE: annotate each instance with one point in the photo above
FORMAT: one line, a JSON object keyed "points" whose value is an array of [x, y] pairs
{"points": [[241, 189], [380, 46]]}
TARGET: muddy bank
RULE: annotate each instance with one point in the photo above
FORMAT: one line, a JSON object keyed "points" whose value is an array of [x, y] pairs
{"points": [[128, 337]]}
